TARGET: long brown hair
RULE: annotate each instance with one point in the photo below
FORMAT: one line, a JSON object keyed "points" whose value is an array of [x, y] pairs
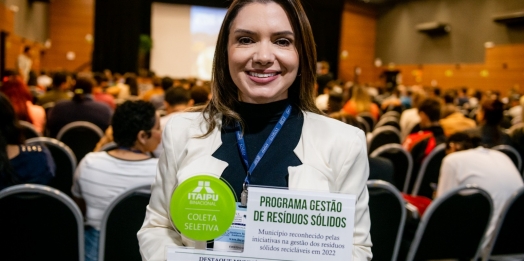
{"points": [[224, 90]]}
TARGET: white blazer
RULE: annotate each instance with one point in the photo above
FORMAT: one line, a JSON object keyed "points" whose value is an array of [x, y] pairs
{"points": [[334, 157]]}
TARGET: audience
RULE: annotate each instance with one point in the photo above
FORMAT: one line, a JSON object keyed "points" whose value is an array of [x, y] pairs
{"points": [[452, 119], [157, 90], [409, 118], [60, 89], [359, 102], [324, 76], [98, 91], [467, 163], [102, 176], [177, 99], [22, 100], [200, 95], [489, 116], [81, 108], [20, 163], [158, 100]]}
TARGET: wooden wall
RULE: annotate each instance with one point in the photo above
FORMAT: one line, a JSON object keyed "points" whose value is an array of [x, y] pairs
{"points": [[14, 43], [502, 70], [69, 22], [357, 43]]}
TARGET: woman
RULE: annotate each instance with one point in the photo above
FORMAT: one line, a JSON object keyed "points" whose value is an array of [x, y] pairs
{"points": [[102, 176], [22, 100], [81, 108], [19, 163], [264, 63], [361, 102]]}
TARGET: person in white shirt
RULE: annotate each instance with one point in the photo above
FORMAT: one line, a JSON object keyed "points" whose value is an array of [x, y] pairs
{"points": [[24, 63], [102, 176], [490, 170]]}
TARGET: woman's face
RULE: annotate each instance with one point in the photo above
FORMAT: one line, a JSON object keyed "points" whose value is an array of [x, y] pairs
{"points": [[156, 134], [263, 59]]}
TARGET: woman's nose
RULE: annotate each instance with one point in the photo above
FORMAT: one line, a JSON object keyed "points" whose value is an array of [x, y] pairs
{"points": [[264, 53]]}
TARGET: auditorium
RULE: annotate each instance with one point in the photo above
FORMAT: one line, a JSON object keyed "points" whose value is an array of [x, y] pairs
{"points": [[406, 114]]}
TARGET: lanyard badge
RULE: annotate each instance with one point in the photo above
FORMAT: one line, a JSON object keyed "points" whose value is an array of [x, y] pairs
{"points": [[243, 152]]}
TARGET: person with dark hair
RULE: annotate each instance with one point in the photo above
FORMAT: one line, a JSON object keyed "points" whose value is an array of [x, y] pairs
{"points": [[491, 170], [102, 176], [431, 134], [324, 76], [60, 91], [81, 108], [177, 99], [263, 80], [22, 100], [158, 99], [99, 94], [489, 116], [200, 95], [20, 163]]}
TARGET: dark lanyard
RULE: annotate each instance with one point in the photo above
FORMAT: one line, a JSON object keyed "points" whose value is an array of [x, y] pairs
{"points": [[242, 145], [132, 150]]}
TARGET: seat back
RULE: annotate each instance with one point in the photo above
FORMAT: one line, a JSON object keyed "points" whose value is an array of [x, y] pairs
{"points": [[369, 119], [387, 213], [40, 223], [81, 137], [120, 224], [29, 130], [453, 226], [65, 162], [429, 172], [382, 136], [364, 125], [402, 163], [395, 114], [388, 121], [512, 153], [510, 228], [48, 107], [109, 146]]}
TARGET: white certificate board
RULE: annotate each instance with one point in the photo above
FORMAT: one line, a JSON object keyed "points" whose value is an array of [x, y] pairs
{"points": [[291, 226]]}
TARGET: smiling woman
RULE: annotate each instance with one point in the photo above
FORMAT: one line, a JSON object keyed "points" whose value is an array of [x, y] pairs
{"points": [[261, 126]]}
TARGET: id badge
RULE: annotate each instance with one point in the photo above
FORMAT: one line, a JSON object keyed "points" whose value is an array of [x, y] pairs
{"points": [[233, 239]]}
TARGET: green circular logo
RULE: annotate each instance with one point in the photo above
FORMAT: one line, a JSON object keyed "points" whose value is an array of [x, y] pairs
{"points": [[203, 207]]}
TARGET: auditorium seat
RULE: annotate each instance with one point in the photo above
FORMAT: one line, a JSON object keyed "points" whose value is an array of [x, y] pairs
{"points": [[382, 136], [64, 159], [510, 229], [120, 224], [364, 125], [369, 119], [402, 163], [453, 226], [81, 137], [387, 212], [388, 121], [29, 130], [512, 153], [427, 177], [40, 223]]}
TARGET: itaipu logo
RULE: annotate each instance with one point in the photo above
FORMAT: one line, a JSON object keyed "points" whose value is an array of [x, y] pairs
{"points": [[203, 192]]}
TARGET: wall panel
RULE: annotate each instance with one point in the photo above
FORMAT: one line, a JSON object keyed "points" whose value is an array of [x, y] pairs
{"points": [[502, 70], [357, 43], [69, 23]]}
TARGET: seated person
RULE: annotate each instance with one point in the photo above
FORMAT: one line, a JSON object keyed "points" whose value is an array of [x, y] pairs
{"points": [[359, 102], [102, 176], [452, 119], [81, 108], [491, 170], [20, 163], [158, 100], [60, 91], [176, 99], [421, 143], [489, 117]]}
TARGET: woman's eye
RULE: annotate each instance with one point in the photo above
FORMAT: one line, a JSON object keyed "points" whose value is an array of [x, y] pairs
{"points": [[283, 42], [245, 40]]}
